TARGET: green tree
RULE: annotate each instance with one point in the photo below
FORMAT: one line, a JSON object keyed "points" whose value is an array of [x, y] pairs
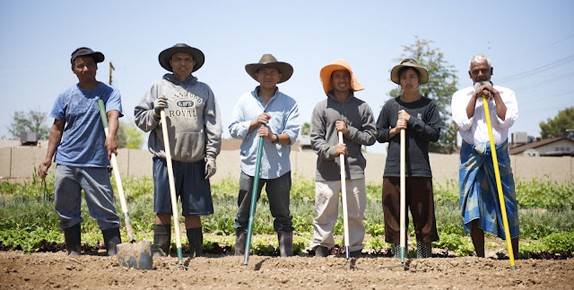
{"points": [[440, 87], [558, 126], [129, 136], [306, 129], [32, 121]]}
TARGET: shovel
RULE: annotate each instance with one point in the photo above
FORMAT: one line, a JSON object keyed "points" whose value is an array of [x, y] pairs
{"points": [[173, 196], [132, 254]]}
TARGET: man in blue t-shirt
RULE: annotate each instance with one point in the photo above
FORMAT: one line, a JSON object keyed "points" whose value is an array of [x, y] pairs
{"points": [[82, 151]]}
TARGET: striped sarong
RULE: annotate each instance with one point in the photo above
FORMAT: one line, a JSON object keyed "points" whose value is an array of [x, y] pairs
{"points": [[478, 193]]}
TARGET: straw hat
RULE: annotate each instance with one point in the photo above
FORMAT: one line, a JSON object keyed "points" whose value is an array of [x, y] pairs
{"points": [[268, 60], [409, 62], [339, 64], [165, 56]]}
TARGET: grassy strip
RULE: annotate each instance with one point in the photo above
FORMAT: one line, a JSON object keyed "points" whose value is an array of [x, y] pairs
{"points": [[28, 221]]}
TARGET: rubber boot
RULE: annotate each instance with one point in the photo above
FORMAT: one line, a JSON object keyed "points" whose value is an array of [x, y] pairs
{"points": [[195, 240], [285, 244], [240, 240], [161, 240], [356, 254], [73, 238], [424, 249], [111, 240], [398, 251], [321, 251]]}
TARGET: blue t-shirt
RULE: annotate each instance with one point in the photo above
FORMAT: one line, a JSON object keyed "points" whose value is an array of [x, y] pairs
{"points": [[83, 138]]}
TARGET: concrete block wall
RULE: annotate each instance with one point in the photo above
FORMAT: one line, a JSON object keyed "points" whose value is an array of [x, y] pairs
{"points": [[20, 163]]}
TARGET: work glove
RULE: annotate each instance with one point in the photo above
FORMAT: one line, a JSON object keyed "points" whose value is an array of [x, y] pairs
{"points": [[159, 104], [210, 167]]}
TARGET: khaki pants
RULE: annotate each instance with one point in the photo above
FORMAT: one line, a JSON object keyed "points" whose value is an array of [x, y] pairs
{"points": [[326, 212]]}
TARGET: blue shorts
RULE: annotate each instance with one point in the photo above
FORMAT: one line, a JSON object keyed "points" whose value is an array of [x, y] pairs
{"points": [[191, 188]]}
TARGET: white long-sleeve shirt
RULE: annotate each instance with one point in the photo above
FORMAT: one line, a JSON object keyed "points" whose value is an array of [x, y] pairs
{"points": [[474, 130]]}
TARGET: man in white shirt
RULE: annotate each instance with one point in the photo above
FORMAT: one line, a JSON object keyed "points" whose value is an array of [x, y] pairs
{"points": [[478, 193]]}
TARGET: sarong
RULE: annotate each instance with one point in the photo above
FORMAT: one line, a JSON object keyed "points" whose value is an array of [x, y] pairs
{"points": [[478, 193]]}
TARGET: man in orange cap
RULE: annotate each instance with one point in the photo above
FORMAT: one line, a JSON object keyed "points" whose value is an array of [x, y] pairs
{"points": [[342, 112]]}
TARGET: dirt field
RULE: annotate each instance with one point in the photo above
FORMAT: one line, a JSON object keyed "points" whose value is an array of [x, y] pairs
{"points": [[58, 271]]}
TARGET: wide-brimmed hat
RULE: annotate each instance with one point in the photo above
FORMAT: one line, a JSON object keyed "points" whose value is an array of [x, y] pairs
{"points": [[328, 70], [165, 56], [409, 62], [268, 60], [84, 51]]}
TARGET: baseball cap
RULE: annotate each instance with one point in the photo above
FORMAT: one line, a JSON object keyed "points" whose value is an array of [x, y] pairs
{"points": [[85, 51]]}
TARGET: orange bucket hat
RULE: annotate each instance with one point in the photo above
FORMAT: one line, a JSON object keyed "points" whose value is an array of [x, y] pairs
{"points": [[338, 64]]}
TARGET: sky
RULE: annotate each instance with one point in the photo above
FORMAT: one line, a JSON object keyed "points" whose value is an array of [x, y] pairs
{"points": [[530, 44]]}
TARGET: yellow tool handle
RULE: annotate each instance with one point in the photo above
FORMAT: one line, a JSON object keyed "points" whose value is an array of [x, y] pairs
{"points": [[498, 183]]}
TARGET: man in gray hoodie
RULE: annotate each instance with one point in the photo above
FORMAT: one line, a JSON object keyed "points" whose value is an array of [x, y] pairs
{"points": [[193, 119], [342, 112]]}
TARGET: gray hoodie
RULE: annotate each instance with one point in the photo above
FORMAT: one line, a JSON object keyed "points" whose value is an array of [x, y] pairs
{"points": [[361, 131], [192, 117]]}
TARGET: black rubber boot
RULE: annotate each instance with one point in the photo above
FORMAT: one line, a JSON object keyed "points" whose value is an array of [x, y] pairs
{"points": [[424, 249], [240, 240], [73, 238], [195, 240], [356, 254], [285, 244], [111, 240], [398, 251], [321, 251], [161, 240]]}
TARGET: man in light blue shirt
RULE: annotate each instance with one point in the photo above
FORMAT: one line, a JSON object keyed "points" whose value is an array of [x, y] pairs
{"points": [[268, 113]]}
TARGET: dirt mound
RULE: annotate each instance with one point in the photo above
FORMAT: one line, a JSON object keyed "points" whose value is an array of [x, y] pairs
{"points": [[57, 270]]}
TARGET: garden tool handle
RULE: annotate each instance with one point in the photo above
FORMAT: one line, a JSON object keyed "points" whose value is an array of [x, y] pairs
{"points": [[253, 200], [116, 170], [344, 197], [498, 183], [173, 196], [403, 205]]}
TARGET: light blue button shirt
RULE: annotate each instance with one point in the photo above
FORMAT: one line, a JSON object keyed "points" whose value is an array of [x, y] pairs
{"points": [[284, 113]]}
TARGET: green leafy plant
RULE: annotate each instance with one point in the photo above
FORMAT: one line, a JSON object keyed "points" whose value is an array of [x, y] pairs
{"points": [[545, 193], [29, 223], [454, 243], [559, 242]]}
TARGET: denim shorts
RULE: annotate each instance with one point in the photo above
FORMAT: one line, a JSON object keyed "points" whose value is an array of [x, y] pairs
{"points": [[191, 188]]}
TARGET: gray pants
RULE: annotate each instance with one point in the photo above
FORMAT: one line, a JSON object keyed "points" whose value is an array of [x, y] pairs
{"points": [[68, 185], [278, 192], [327, 207]]}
